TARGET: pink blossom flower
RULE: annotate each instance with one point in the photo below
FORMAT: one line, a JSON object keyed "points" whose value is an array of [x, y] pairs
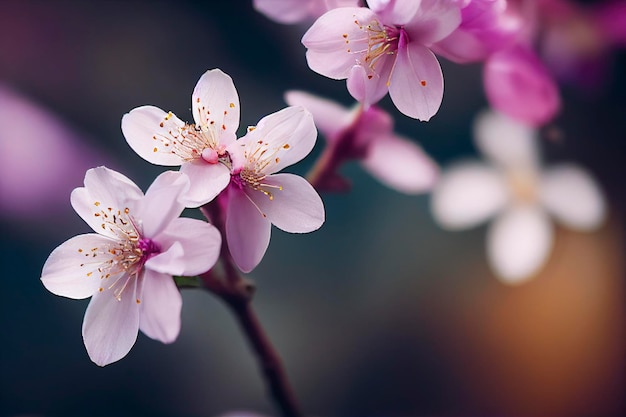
{"points": [[395, 161], [163, 139], [515, 188], [295, 11], [259, 197], [385, 49], [126, 267]]}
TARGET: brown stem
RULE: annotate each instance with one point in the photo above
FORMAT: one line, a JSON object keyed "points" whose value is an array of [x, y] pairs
{"points": [[237, 292]]}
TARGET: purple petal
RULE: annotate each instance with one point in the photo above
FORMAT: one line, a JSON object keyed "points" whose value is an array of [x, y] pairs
{"points": [[161, 305], [396, 12], [329, 117], [468, 194], [573, 197], [505, 141], [161, 203], [247, 230], [518, 243], [294, 205], [200, 243], [71, 270], [105, 190], [434, 20], [288, 135], [416, 85], [206, 181], [148, 129], [337, 41], [110, 325], [215, 104], [518, 84], [401, 164]]}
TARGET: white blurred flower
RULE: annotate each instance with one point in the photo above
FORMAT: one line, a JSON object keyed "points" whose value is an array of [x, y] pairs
{"points": [[515, 188]]}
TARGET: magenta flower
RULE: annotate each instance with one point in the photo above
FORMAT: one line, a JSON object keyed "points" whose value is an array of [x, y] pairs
{"points": [[395, 161], [385, 49], [295, 11], [259, 197], [126, 267], [163, 139], [522, 194]]}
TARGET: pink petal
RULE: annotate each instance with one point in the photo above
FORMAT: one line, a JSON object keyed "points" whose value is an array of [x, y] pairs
{"points": [[200, 243], [285, 11], [161, 305], [329, 117], [416, 85], [104, 189], [206, 181], [110, 325], [288, 135], [518, 243], [147, 128], [369, 88], [401, 164], [215, 103], [573, 197], [71, 270], [329, 52], [518, 84], [295, 206], [247, 230], [468, 194], [169, 261], [161, 203], [505, 141], [434, 20], [396, 12]]}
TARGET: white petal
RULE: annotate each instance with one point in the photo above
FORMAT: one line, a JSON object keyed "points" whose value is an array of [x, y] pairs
{"points": [[281, 139], [105, 191], [295, 206], [519, 242], [206, 181], [330, 117], [161, 203], [401, 164], [169, 261], [468, 194], [505, 141], [71, 270], [161, 304], [215, 103], [199, 240], [573, 197], [110, 325], [148, 129]]}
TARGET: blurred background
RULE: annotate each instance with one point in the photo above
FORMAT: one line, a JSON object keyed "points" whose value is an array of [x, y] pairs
{"points": [[380, 312]]}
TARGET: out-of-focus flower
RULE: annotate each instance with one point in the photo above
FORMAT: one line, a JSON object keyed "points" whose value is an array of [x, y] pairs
{"points": [[127, 266], [163, 139], [368, 136], [41, 159], [385, 49], [515, 188], [296, 11], [258, 197]]}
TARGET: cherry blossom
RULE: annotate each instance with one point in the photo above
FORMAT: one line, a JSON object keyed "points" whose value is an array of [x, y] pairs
{"points": [[163, 139], [258, 196], [395, 161], [126, 267], [295, 11], [520, 193], [385, 48]]}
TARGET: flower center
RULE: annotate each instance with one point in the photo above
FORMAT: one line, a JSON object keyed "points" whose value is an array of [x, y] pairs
{"points": [[258, 157], [381, 41], [523, 185]]}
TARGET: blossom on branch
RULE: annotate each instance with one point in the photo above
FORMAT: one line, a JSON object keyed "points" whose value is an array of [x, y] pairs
{"points": [[163, 139], [520, 193], [126, 267], [385, 48]]}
